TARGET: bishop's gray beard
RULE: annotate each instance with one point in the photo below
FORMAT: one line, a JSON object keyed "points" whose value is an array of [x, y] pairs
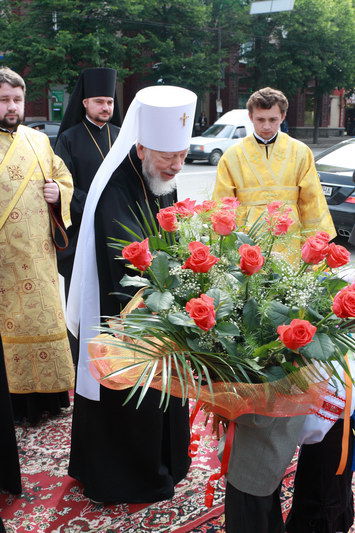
{"points": [[157, 186]]}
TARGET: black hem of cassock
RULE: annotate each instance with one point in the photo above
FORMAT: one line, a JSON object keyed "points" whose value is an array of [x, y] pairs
{"points": [[126, 455], [30, 408], [322, 501], [245, 513], [10, 477]]}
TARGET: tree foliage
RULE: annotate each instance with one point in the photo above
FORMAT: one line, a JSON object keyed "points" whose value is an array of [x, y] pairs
{"points": [[182, 42], [53, 41], [310, 47], [177, 47], [313, 42], [231, 25]]}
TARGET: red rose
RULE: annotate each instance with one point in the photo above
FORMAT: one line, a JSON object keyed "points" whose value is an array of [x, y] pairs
{"points": [[230, 202], [298, 333], [282, 224], [277, 218], [167, 218], [185, 208], [251, 260], [223, 222], [207, 205], [202, 311], [200, 259], [337, 256], [314, 250], [138, 254], [344, 302], [323, 236], [274, 207]]}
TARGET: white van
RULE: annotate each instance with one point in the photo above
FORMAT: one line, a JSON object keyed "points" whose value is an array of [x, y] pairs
{"points": [[229, 129]]}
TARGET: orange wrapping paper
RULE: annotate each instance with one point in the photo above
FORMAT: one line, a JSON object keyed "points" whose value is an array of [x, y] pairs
{"points": [[284, 397]]}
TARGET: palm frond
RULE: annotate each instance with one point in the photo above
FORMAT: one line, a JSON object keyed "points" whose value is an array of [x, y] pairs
{"points": [[168, 389], [243, 372], [196, 367], [164, 381], [254, 228], [150, 224], [183, 384], [209, 380], [118, 244], [147, 383], [137, 384], [145, 229], [125, 369], [130, 231]]}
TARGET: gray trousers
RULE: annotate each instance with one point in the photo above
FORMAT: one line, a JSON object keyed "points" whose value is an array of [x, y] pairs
{"points": [[262, 450]]}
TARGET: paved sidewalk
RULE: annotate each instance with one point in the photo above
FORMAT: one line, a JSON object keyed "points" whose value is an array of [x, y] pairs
{"points": [[324, 142]]}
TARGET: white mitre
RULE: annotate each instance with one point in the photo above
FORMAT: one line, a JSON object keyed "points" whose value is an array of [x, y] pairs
{"points": [[166, 118]]}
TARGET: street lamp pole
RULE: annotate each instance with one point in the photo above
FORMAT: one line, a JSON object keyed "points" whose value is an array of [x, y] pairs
{"points": [[218, 101]]}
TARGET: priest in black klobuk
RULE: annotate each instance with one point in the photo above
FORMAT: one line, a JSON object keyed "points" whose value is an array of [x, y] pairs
{"points": [[88, 130], [122, 454]]}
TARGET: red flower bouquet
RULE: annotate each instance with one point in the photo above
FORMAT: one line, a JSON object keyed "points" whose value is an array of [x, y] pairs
{"points": [[220, 317]]}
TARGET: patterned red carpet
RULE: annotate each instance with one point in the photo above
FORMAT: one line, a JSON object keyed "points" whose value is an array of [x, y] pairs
{"points": [[52, 502], [216, 525]]}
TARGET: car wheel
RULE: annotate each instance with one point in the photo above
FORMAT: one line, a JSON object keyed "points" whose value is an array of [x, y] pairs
{"points": [[215, 157], [188, 160]]}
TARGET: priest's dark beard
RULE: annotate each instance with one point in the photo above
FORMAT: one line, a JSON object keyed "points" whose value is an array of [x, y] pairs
{"points": [[157, 186], [10, 125]]}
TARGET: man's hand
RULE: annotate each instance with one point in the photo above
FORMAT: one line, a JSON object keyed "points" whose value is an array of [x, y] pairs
{"points": [[51, 191]]}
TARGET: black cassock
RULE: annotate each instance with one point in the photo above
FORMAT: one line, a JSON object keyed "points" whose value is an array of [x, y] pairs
{"points": [[323, 501], [82, 148], [82, 157], [10, 479], [120, 453]]}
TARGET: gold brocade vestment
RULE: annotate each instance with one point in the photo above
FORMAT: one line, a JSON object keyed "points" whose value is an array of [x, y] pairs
{"points": [[32, 326], [287, 175]]}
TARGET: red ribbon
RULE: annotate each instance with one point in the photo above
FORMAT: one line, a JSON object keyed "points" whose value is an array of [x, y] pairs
{"points": [[214, 478], [347, 415], [196, 409], [195, 437], [193, 448], [194, 444]]}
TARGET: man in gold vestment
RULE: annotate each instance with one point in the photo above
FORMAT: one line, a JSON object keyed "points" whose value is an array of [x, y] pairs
{"points": [[264, 167], [32, 326], [270, 166]]}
